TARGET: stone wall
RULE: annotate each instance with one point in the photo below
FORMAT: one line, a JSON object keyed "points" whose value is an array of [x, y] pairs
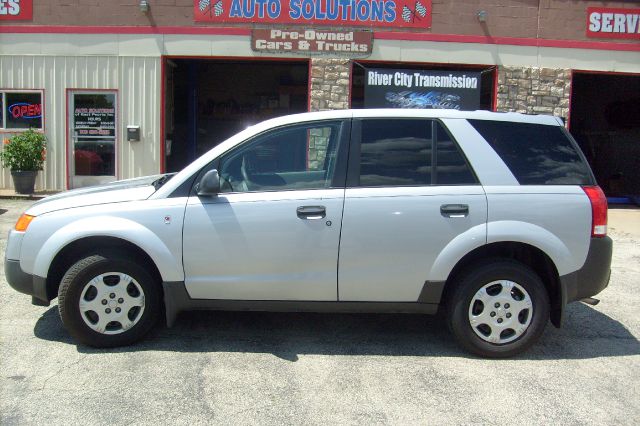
{"points": [[534, 90], [329, 84], [318, 144]]}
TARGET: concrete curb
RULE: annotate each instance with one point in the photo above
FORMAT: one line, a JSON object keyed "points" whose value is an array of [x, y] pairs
{"points": [[9, 194]]}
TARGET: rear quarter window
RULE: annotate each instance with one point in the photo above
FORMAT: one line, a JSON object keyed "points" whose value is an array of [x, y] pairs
{"points": [[536, 154]]}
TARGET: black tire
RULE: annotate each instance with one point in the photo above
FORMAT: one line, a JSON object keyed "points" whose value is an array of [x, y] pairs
{"points": [[459, 312], [81, 273]]}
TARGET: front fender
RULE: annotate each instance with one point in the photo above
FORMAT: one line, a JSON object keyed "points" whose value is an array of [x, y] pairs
{"points": [[169, 266]]}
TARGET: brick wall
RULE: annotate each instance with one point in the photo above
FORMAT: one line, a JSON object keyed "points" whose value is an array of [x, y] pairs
{"points": [[554, 19]]}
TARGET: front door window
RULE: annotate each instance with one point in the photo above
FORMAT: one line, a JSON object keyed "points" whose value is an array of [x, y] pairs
{"points": [[293, 158]]}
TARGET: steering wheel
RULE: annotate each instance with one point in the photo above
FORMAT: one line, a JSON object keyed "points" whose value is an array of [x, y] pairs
{"points": [[227, 181]]}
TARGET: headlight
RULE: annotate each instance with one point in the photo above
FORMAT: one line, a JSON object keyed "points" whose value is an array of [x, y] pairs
{"points": [[23, 223]]}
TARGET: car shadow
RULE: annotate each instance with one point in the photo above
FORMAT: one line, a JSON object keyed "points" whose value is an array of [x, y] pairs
{"points": [[586, 334]]}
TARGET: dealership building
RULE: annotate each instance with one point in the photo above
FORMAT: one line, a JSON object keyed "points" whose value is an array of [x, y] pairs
{"points": [[136, 87]]}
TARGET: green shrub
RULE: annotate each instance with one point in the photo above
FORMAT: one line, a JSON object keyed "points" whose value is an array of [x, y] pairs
{"points": [[24, 151]]}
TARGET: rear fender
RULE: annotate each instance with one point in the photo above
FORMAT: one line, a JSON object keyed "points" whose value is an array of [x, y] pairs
{"points": [[502, 231], [456, 249], [536, 236]]}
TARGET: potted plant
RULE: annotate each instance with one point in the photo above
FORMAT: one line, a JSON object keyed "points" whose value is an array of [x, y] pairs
{"points": [[24, 155]]}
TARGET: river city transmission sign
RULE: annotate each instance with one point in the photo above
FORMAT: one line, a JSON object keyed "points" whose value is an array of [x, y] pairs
{"points": [[335, 13]]}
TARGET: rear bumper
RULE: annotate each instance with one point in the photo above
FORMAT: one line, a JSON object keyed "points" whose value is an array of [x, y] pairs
{"points": [[26, 283], [594, 275], [592, 278]]}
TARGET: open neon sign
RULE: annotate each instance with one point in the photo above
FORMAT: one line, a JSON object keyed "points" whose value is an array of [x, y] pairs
{"points": [[25, 110]]}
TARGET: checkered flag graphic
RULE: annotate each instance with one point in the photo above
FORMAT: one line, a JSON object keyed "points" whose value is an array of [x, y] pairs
{"points": [[217, 9], [407, 14], [203, 5]]}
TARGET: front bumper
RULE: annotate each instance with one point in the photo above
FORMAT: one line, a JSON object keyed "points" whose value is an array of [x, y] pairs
{"points": [[32, 285]]}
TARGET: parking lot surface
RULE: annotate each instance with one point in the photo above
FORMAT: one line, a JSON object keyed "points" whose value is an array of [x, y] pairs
{"points": [[273, 368]]}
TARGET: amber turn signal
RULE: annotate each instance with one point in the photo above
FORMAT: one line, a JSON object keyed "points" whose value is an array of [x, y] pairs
{"points": [[23, 223]]}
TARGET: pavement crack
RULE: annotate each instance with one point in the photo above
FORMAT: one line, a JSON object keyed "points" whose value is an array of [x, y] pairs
{"points": [[58, 371]]}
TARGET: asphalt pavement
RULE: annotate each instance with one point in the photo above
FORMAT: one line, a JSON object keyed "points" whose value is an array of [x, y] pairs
{"points": [[276, 368]]}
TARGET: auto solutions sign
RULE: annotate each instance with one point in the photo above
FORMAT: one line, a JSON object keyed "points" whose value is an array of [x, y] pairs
{"points": [[335, 13], [393, 88]]}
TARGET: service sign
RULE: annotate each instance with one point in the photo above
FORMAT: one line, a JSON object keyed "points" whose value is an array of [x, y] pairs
{"points": [[16, 10], [334, 13], [312, 41], [606, 22], [421, 89]]}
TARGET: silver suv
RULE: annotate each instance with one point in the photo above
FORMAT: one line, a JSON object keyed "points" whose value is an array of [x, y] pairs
{"points": [[493, 218]]}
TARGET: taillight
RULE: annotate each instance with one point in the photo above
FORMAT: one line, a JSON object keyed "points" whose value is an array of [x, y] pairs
{"points": [[598, 210]]}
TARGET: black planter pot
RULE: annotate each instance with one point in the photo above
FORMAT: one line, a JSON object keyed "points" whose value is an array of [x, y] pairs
{"points": [[24, 181]]}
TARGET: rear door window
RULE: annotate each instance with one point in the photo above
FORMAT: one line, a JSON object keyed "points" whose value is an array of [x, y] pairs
{"points": [[536, 154], [402, 152], [395, 152], [452, 167]]}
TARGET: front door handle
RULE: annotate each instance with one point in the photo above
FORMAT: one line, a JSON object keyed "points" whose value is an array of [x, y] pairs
{"points": [[311, 212], [454, 210]]}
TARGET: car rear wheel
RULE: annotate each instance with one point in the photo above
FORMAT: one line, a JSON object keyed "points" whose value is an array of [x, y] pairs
{"points": [[498, 309], [106, 300]]}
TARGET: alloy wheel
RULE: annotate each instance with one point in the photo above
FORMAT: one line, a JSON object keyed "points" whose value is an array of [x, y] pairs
{"points": [[500, 312], [112, 303]]}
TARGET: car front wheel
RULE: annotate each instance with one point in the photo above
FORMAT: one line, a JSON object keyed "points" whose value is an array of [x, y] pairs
{"points": [[106, 300]]}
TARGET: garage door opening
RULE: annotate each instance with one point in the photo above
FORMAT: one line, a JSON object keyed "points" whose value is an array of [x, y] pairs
{"points": [[605, 120], [209, 100]]}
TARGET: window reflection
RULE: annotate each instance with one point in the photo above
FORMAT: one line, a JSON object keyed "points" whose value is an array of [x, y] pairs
{"points": [[395, 152]]}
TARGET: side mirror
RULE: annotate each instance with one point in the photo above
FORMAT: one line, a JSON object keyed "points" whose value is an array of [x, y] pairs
{"points": [[209, 185]]}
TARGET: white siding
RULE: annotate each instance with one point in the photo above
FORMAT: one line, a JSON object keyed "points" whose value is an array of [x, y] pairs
{"points": [[137, 80], [130, 64]]}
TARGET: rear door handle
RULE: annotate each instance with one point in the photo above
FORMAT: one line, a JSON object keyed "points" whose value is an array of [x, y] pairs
{"points": [[454, 210], [311, 212]]}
